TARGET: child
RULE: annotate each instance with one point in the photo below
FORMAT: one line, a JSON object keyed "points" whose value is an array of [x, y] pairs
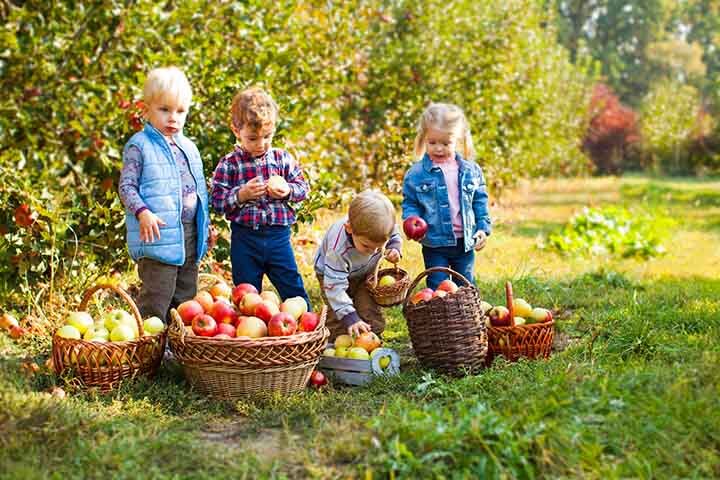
{"points": [[162, 187], [349, 251], [447, 190], [253, 186]]}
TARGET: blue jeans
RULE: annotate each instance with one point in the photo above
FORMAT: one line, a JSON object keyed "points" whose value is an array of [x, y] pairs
{"points": [[454, 257], [266, 251]]}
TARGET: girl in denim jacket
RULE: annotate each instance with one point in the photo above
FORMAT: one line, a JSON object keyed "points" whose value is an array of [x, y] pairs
{"points": [[447, 190]]}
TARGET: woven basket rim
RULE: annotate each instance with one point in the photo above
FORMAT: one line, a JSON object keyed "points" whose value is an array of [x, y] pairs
{"points": [[526, 326], [401, 283]]}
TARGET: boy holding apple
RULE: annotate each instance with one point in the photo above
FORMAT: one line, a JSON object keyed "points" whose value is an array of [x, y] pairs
{"points": [[351, 249], [254, 186]]}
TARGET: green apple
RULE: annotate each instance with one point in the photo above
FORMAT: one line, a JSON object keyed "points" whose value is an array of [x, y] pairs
{"points": [[519, 321], [357, 353], [80, 320], [386, 281], [96, 332], [118, 316], [329, 352], [341, 352], [153, 325], [122, 333], [68, 331], [540, 315]]}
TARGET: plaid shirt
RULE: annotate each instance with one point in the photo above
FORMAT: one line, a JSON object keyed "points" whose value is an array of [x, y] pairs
{"points": [[237, 168]]}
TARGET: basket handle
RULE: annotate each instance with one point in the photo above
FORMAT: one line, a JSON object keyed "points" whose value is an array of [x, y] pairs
{"points": [[122, 293], [377, 266], [428, 272], [509, 302]]}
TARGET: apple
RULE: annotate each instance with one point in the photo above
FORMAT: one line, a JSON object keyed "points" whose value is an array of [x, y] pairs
{"points": [[122, 333], [118, 316], [204, 325], [358, 353], [448, 286], [265, 310], [239, 291], [519, 320], [439, 294], [153, 326], [249, 302], [223, 312], [368, 341], [386, 281], [96, 332], [308, 321], [540, 315], [329, 352], [422, 296], [7, 321], [16, 331], [499, 316], [80, 320], [205, 300], [295, 306], [281, 324], [189, 310], [318, 379], [341, 352], [485, 307], [67, 331], [521, 307], [277, 183], [251, 327], [270, 296], [226, 329], [223, 336], [415, 227], [221, 289], [343, 341]]}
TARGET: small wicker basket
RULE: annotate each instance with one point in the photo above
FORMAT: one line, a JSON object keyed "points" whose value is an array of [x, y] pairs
{"points": [[105, 365], [389, 295], [532, 340], [230, 369], [447, 333]]}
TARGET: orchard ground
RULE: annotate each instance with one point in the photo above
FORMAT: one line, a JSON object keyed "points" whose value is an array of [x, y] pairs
{"points": [[631, 391]]}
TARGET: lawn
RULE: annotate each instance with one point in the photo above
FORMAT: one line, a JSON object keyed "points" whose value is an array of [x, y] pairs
{"points": [[631, 390]]}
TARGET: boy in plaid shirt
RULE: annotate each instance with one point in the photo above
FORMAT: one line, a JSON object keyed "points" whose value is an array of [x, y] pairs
{"points": [[253, 186]]}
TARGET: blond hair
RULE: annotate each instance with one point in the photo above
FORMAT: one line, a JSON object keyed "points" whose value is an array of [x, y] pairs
{"points": [[253, 107], [448, 118], [372, 215], [167, 84]]}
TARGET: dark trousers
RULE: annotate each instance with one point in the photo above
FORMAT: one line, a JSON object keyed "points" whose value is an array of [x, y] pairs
{"points": [[365, 305], [266, 251], [454, 257], [165, 286]]}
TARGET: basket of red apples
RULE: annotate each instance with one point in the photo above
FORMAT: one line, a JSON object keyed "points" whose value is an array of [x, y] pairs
{"points": [[235, 341], [518, 330], [446, 327], [388, 286]]}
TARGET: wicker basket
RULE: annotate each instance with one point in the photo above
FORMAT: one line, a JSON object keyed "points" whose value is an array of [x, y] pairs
{"points": [[389, 295], [533, 340], [235, 368], [447, 333], [105, 365]]}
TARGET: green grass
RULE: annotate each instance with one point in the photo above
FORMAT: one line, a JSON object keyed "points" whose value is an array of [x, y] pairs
{"points": [[632, 392]]}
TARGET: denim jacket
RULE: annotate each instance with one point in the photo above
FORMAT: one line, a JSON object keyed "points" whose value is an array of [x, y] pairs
{"points": [[425, 195]]}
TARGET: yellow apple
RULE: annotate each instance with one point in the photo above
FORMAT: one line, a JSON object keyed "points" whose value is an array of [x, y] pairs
{"points": [[522, 308], [122, 333], [386, 281], [80, 320], [153, 325], [519, 321], [68, 331], [343, 341], [358, 353], [341, 352]]}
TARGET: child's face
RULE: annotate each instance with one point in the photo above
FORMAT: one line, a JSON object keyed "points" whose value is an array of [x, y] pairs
{"points": [[440, 145], [362, 243], [255, 141], [168, 118]]}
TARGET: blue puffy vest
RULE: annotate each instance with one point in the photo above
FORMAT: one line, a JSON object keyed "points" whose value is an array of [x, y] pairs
{"points": [[160, 188]]}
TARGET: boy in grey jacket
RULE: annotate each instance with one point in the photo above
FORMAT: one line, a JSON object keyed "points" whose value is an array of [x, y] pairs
{"points": [[349, 251]]}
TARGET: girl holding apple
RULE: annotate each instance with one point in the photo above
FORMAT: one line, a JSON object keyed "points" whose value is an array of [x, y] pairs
{"points": [[446, 189]]}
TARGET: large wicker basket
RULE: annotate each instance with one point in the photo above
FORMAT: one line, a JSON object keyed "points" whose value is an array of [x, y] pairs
{"points": [[388, 295], [230, 369], [447, 333], [533, 340], [105, 365]]}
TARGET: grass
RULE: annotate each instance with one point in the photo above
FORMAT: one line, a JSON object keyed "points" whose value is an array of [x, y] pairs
{"points": [[632, 391]]}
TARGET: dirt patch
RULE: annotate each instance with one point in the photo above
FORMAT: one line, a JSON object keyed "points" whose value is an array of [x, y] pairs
{"points": [[267, 445]]}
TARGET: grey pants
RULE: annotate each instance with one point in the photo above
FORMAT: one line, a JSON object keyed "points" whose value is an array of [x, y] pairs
{"points": [[165, 286]]}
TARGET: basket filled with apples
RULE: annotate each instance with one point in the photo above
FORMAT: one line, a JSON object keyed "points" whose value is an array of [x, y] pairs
{"points": [[388, 286], [518, 330], [356, 361], [113, 346], [446, 326], [237, 341]]}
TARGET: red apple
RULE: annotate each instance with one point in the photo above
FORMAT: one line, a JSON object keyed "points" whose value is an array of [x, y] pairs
{"points": [[204, 325], [249, 302], [415, 227], [499, 316], [308, 321], [368, 341], [239, 291], [439, 293], [205, 300], [251, 327], [189, 310], [223, 312], [225, 329], [220, 289], [448, 286], [270, 296], [265, 310], [16, 331], [281, 324], [318, 379], [422, 296]]}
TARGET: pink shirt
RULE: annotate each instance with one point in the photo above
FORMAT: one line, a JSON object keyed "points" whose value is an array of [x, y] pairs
{"points": [[450, 172]]}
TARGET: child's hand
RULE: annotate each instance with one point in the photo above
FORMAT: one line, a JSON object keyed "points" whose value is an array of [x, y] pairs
{"points": [[392, 256], [252, 190], [357, 328], [278, 190], [480, 240], [150, 226]]}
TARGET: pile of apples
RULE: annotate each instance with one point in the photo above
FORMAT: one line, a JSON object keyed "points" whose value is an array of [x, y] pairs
{"points": [[117, 325], [524, 313], [241, 312], [362, 347], [446, 287]]}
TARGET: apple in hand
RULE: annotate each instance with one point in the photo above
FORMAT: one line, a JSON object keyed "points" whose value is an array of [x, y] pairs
{"points": [[265, 310], [251, 327], [225, 329], [499, 316], [281, 324], [448, 286], [239, 291], [540, 315], [318, 379], [223, 312], [277, 183], [204, 325], [189, 310], [415, 227], [422, 296]]}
